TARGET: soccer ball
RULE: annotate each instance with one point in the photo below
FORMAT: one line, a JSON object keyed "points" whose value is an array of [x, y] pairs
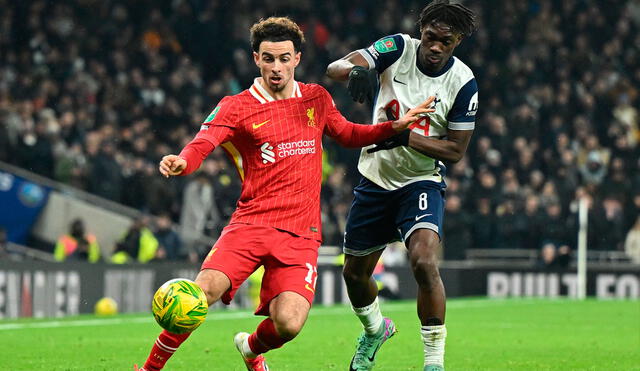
{"points": [[179, 306], [106, 307]]}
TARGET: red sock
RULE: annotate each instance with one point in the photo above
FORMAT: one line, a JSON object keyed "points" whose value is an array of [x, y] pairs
{"points": [[265, 338], [166, 344]]}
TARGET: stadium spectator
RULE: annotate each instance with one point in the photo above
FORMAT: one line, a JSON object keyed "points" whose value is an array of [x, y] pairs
{"points": [[483, 227], [4, 248], [105, 177], [508, 233], [138, 244], [632, 242], [554, 257], [77, 245], [608, 224], [529, 223], [457, 235], [556, 231], [198, 208], [169, 243]]}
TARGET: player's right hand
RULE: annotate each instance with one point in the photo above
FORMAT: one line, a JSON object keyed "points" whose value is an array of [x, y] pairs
{"points": [[360, 84], [172, 165], [414, 114]]}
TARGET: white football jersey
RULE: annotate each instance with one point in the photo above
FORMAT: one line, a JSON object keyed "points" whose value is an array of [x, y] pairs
{"points": [[404, 85]]}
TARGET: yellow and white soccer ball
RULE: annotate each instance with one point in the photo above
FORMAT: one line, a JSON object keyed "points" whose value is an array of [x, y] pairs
{"points": [[106, 307], [180, 306]]}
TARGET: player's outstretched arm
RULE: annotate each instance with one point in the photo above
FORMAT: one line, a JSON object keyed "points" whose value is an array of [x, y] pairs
{"points": [[354, 135], [402, 125], [172, 165], [414, 114]]}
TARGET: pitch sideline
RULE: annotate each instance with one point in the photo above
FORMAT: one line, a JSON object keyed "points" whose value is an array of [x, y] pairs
{"points": [[222, 315]]}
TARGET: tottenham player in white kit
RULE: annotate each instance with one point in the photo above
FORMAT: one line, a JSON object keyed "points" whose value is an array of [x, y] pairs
{"points": [[401, 194]]}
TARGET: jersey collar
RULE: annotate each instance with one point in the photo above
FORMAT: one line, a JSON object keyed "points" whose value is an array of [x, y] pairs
{"points": [[263, 96], [444, 69]]}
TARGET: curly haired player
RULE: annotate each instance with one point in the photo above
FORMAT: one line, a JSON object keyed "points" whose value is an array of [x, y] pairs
{"points": [[273, 132], [402, 187]]}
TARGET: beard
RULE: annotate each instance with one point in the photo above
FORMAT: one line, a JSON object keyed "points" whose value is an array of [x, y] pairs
{"points": [[276, 88]]}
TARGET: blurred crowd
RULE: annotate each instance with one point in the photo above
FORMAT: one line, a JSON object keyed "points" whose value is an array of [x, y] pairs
{"points": [[94, 92]]}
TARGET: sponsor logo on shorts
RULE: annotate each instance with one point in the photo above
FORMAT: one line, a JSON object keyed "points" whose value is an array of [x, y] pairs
{"points": [[421, 216]]}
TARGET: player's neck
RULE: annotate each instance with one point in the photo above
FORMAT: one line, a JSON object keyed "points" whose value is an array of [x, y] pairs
{"points": [[285, 93], [433, 72]]}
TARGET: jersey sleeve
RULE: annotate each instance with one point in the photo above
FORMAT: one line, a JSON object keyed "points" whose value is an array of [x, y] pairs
{"points": [[217, 128], [220, 125], [349, 134], [462, 115], [384, 52]]}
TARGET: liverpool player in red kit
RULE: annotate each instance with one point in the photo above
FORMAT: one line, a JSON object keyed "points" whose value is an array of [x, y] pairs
{"points": [[273, 132]]}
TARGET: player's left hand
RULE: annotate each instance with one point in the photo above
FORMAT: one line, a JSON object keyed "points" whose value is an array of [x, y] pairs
{"points": [[401, 139], [360, 84], [414, 114]]}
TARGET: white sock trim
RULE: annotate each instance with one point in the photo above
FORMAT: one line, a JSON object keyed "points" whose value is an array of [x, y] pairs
{"points": [[246, 349], [433, 338], [370, 317], [164, 347]]}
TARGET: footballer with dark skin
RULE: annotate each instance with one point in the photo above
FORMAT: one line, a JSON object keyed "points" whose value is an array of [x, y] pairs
{"points": [[443, 26], [437, 43]]}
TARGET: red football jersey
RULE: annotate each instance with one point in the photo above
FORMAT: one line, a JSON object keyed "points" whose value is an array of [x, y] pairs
{"points": [[277, 148]]}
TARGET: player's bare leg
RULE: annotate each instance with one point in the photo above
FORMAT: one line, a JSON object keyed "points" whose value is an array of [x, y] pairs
{"points": [[214, 283], [287, 314], [423, 245], [357, 273], [363, 294]]}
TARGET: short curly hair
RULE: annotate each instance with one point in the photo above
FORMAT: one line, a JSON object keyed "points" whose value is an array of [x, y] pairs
{"points": [[459, 17], [276, 29]]}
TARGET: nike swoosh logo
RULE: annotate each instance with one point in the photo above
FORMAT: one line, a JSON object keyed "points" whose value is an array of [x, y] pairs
{"points": [[374, 353], [399, 82], [255, 126], [422, 216]]}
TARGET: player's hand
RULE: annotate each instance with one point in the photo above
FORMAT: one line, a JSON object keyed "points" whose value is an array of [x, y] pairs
{"points": [[414, 114], [172, 165], [360, 84], [401, 139]]}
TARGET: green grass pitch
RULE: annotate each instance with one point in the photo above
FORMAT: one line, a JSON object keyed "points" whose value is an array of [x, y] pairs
{"points": [[514, 334]]}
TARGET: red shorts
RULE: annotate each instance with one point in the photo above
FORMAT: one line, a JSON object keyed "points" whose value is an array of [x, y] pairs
{"points": [[290, 262]]}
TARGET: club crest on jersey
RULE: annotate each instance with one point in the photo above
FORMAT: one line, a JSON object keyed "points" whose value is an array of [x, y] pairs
{"points": [[385, 45], [212, 115], [310, 115], [436, 101]]}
